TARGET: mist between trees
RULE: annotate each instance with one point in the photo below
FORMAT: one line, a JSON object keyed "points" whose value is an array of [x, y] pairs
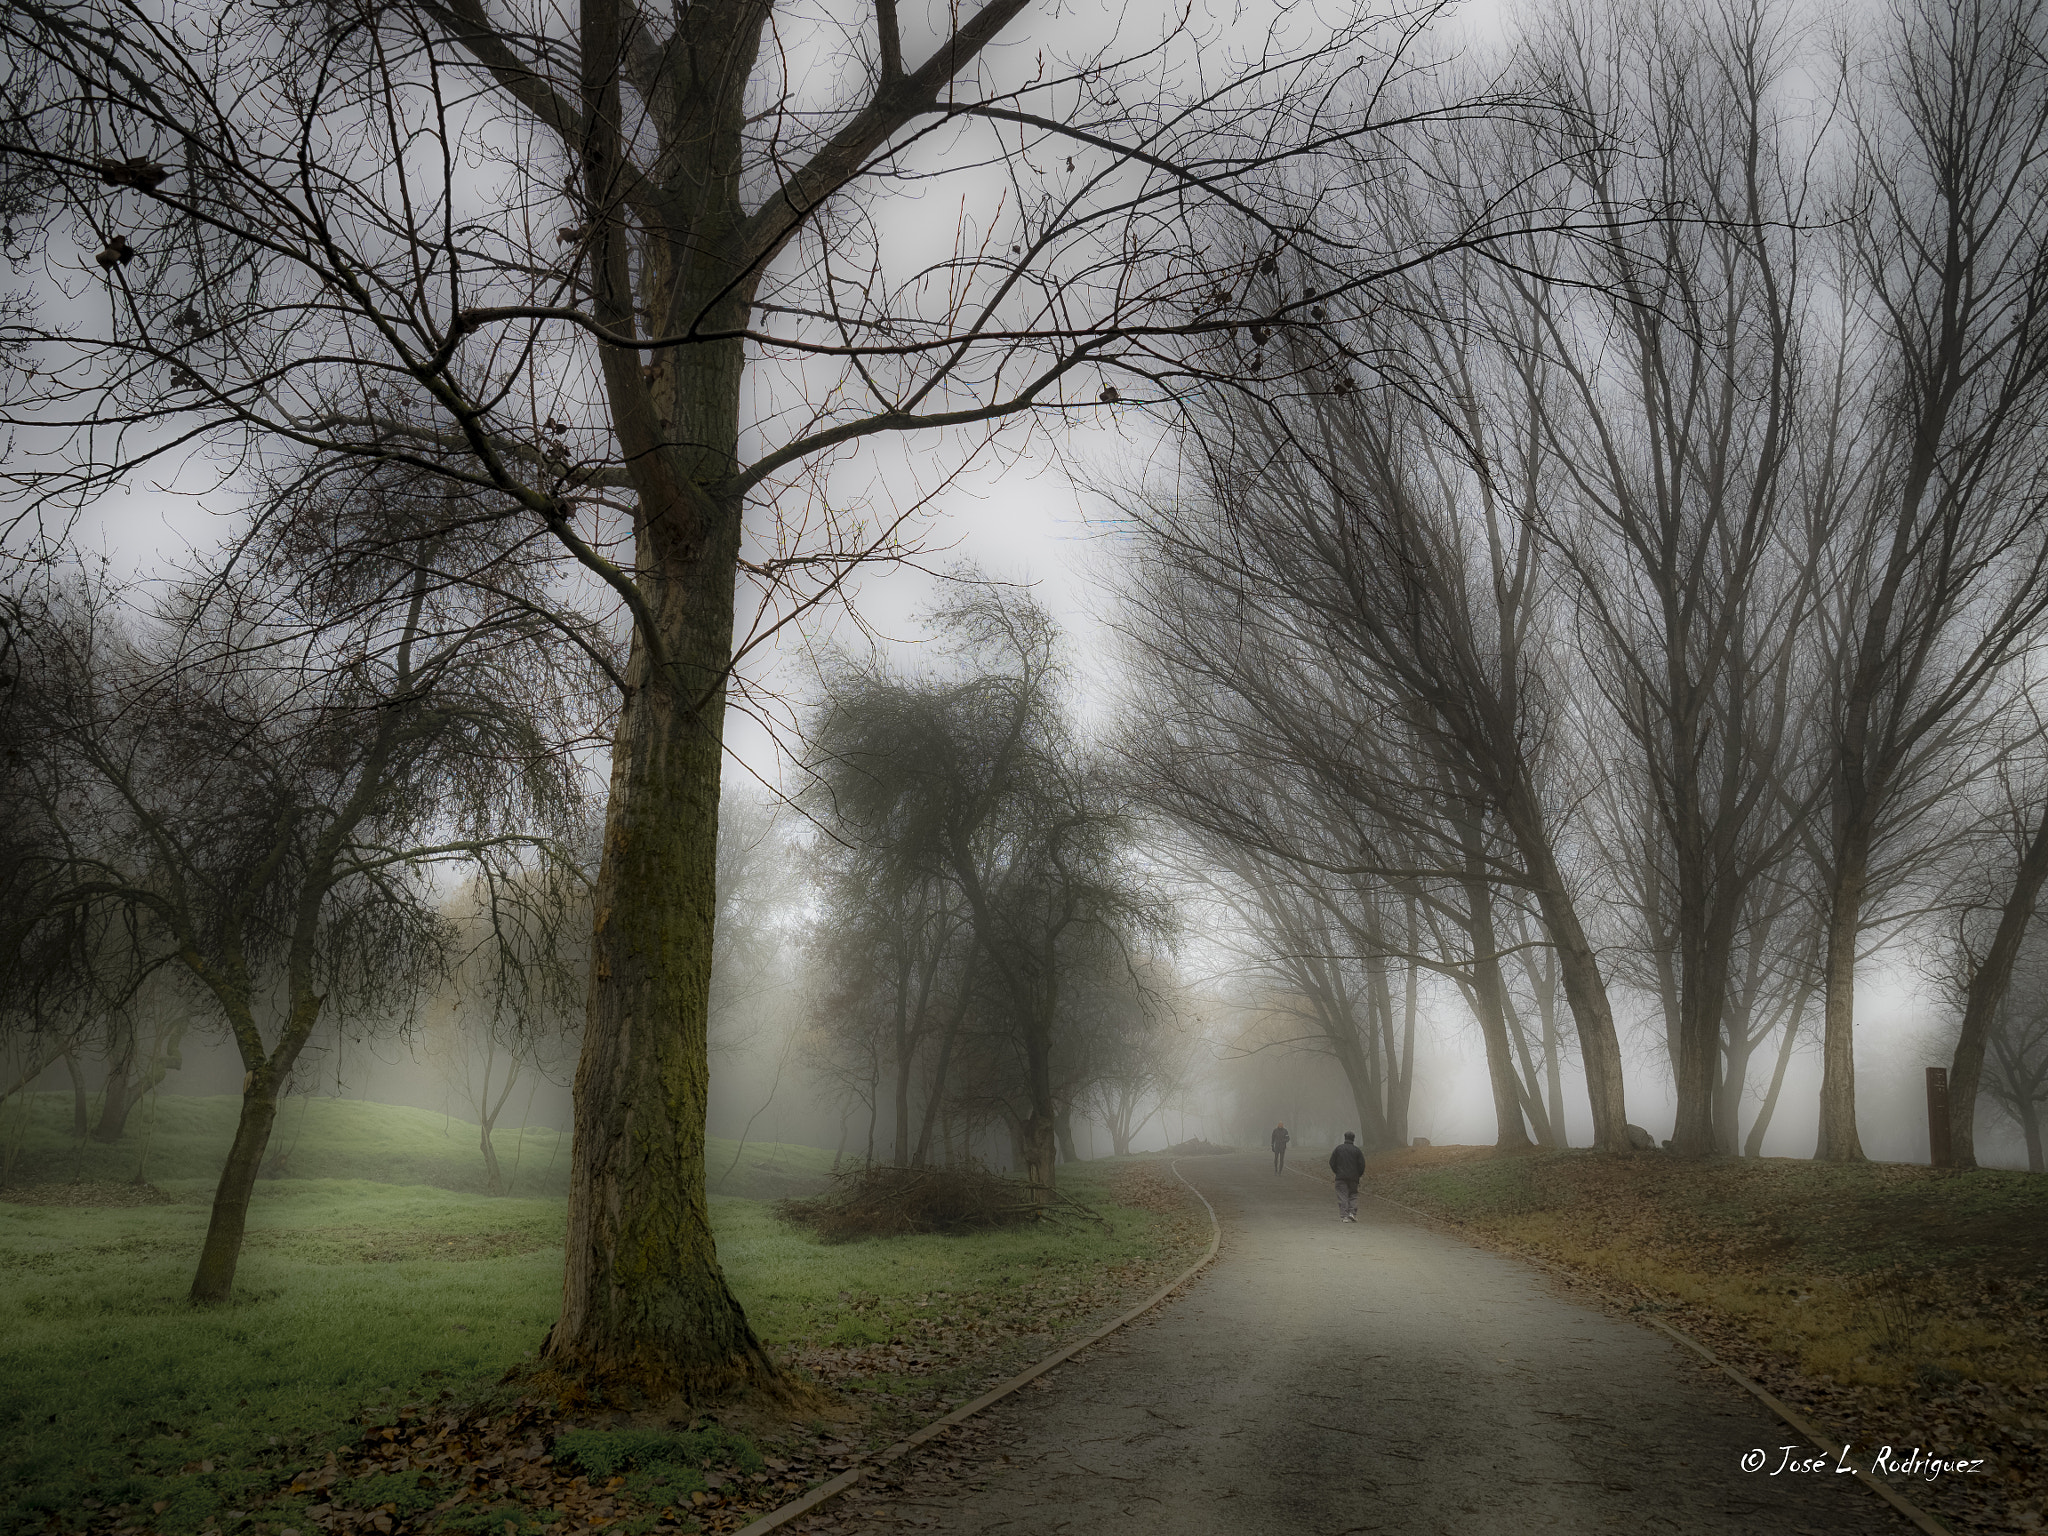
{"points": [[1589, 582]]}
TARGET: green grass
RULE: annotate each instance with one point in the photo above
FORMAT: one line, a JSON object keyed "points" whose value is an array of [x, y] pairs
{"points": [[355, 1296], [890, 1290], [110, 1383], [182, 1141]]}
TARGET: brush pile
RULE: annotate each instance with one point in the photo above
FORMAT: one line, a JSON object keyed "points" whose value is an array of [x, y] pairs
{"points": [[1194, 1146], [880, 1201]]}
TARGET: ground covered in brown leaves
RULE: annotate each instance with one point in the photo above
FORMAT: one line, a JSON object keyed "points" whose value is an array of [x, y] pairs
{"points": [[87, 1192], [1891, 1305]]}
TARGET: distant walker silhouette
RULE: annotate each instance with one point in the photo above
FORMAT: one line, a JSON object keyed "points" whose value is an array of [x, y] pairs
{"points": [[1347, 1162]]}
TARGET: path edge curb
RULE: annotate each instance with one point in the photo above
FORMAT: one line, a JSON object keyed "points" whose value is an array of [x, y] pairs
{"points": [[1931, 1524], [775, 1519]]}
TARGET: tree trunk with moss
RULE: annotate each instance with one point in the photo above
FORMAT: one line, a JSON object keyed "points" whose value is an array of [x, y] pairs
{"points": [[644, 1301]]}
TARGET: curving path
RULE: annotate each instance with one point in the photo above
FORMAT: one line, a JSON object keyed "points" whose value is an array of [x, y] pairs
{"points": [[1325, 1379]]}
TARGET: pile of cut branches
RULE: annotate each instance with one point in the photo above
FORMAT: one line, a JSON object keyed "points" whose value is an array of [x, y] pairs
{"points": [[880, 1201]]}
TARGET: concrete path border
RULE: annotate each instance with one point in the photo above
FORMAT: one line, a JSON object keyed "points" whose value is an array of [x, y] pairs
{"points": [[824, 1492], [1905, 1506]]}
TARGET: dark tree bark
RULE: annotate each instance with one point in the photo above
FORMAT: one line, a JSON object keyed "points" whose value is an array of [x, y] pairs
{"points": [[117, 1097], [1490, 1004], [1989, 981], [1753, 1145], [1952, 258]]}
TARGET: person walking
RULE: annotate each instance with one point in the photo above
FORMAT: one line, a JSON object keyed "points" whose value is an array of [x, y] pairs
{"points": [[1347, 1162], [1280, 1140]]}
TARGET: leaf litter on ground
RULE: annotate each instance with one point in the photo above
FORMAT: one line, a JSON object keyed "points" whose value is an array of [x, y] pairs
{"points": [[1891, 1305]]}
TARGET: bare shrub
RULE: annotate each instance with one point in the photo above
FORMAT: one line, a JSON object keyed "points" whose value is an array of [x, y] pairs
{"points": [[875, 1200]]}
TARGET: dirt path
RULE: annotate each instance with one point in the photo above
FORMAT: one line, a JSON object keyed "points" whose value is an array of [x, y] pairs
{"points": [[1324, 1379]]}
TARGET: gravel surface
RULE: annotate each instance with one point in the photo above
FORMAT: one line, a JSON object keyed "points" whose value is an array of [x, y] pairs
{"points": [[1325, 1379]]}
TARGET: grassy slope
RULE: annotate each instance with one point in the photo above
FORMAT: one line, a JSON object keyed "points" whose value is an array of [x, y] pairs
{"points": [[181, 1141], [354, 1293], [1896, 1304], [1965, 1254]]}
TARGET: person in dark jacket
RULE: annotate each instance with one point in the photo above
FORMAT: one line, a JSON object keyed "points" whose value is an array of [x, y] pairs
{"points": [[1280, 1140], [1348, 1163]]}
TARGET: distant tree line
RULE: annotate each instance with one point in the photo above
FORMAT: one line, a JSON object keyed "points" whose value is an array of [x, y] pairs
{"points": [[1652, 609]]}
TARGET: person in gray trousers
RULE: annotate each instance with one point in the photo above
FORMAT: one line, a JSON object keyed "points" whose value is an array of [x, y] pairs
{"points": [[1348, 1164]]}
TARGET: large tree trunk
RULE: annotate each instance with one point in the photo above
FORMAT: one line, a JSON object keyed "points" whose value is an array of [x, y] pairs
{"points": [[935, 1094], [1838, 1142], [1038, 1149], [1736, 1047], [2030, 1126], [1528, 1083], [1352, 1057], [1986, 995], [1706, 935], [487, 1112], [492, 1171], [1403, 1086], [1379, 1053], [900, 1154], [644, 1302], [1038, 1131], [261, 1083], [1553, 1057]]}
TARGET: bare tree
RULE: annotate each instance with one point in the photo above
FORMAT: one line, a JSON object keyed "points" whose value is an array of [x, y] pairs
{"points": [[1140, 1041], [628, 270], [255, 781], [510, 999], [2017, 1069], [903, 936], [2003, 868], [1669, 351], [1366, 535], [1940, 572], [1259, 851]]}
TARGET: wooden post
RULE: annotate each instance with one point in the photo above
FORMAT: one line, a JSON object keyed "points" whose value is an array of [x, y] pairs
{"points": [[1937, 1117]]}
